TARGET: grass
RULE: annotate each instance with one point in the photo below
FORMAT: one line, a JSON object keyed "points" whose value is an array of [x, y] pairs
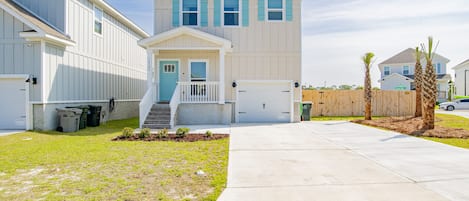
{"points": [[340, 118], [452, 121], [87, 165]]}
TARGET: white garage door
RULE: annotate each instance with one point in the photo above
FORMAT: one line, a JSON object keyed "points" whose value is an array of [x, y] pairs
{"points": [[264, 102], [12, 104]]}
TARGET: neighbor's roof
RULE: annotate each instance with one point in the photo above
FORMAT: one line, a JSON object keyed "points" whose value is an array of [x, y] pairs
{"points": [[10, 6], [461, 64], [438, 77], [406, 56]]}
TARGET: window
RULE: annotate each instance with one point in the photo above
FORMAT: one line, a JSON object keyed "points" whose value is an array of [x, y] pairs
{"points": [[438, 68], [275, 10], [405, 70], [231, 12], [169, 68], [190, 12], [98, 20], [198, 71], [387, 70]]}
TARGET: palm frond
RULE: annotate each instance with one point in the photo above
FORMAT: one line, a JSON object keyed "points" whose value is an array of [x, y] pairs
{"points": [[368, 58]]}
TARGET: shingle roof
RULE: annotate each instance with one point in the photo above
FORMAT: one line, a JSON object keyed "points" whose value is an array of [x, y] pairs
{"points": [[406, 56], [33, 19]]}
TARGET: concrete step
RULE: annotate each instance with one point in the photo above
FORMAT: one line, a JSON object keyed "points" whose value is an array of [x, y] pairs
{"points": [[156, 126], [157, 122], [160, 113], [160, 106]]}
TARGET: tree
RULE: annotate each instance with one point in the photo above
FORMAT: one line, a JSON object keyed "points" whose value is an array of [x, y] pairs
{"points": [[345, 87], [367, 60], [418, 83], [429, 89]]}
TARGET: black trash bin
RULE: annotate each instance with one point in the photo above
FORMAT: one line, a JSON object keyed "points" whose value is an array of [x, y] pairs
{"points": [[307, 111], [84, 114], [94, 115]]}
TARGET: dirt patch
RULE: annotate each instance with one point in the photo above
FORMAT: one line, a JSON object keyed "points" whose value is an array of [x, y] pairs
{"points": [[172, 137], [413, 126]]}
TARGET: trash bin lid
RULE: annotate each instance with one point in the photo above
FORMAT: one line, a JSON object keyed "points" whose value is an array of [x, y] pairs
{"points": [[69, 111], [307, 103]]}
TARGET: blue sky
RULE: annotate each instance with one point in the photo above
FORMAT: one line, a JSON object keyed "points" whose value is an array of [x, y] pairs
{"points": [[336, 33]]}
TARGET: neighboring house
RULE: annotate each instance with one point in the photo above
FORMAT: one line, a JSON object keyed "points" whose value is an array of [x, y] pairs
{"points": [[461, 78], [397, 72], [223, 61], [62, 53]]}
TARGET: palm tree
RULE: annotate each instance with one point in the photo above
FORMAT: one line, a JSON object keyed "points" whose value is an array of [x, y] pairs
{"points": [[418, 83], [429, 90], [367, 60]]}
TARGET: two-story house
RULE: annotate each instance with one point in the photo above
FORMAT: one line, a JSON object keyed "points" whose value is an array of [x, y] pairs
{"points": [[62, 53], [461, 78], [223, 61], [397, 72]]}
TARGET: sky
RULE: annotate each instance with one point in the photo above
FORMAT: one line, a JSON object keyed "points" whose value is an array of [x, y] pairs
{"points": [[337, 33]]}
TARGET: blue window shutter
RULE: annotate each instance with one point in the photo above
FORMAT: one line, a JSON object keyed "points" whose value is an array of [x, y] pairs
{"points": [[176, 13], [261, 10], [217, 13], [245, 12], [204, 13], [289, 10]]}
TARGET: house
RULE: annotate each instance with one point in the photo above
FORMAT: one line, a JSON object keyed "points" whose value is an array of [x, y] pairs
{"points": [[223, 61], [62, 53], [397, 73], [461, 83]]}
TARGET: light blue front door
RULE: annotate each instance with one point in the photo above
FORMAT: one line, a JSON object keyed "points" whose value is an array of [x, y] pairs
{"points": [[169, 76]]}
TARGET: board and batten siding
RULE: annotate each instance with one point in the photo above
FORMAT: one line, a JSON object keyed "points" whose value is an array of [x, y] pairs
{"points": [[53, 11], [98, 67], [263, 50], [18, 56]]}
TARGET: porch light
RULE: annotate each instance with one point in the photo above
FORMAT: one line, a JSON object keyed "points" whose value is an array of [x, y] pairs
{"points": [[234, 85], [297, 84]]}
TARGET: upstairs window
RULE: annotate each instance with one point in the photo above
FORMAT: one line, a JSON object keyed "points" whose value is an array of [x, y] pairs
{"points": [[405, 70], [275, 10], [438, 68], [231, 12], [387, 70], [98, 20], [190, 12]]}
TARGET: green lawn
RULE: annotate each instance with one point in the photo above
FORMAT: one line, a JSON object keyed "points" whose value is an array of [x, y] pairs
{"points": [[89, 166], [452, 121]]}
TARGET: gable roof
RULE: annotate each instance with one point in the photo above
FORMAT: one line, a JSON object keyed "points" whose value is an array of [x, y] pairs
{"points": [[412, 77], [406, 56], [461, 64], [40, 28]]}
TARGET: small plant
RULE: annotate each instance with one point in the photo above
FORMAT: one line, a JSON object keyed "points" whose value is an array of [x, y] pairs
{"points": [[127, 132], [144, 133], [209, 134], [162, 133], [182, 132]]}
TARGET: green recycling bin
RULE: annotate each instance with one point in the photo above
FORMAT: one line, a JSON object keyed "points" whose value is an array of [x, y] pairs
{"points": [[94, 115], [84, 114], [306, 113]]}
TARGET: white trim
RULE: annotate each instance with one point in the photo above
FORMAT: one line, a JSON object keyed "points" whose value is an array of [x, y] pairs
{"points": [[27, 107], [184, 48], [158, 61], [207, 67], [43, 71], [284, 14], [239, 14], [97, 20], [181, 14], [36, 36], [66, 17], [81, 101], [221, 98]]}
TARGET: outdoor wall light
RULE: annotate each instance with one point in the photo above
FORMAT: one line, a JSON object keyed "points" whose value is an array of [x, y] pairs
{"points": [[34, 80], [234, 85], [297, 84]]}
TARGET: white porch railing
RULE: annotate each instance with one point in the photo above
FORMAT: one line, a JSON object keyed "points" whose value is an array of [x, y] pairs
{"points": [[146, 103], [199, 92], [173, 104]]}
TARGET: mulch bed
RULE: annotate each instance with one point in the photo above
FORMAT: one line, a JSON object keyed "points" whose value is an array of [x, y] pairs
{"points": [[412, 126], [172, 137]]}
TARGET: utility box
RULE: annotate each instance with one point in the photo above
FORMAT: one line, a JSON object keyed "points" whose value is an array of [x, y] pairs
{"points": [[83, 118], [94, 115], [69, 119], [306, 113]]}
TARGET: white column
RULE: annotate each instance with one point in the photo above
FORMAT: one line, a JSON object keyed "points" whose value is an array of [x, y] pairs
{"points": [[150, 67], [221, 99]]}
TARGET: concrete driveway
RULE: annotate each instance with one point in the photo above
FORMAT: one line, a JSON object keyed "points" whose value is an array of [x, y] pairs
{"points": [[341, 161], [461, 113]]}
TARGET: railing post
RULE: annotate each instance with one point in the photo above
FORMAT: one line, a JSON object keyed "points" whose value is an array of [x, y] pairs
{"points": [[221, 84]]}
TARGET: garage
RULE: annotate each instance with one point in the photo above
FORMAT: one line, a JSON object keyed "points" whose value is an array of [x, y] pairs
{"points": [[264, 102], [13, 103]]}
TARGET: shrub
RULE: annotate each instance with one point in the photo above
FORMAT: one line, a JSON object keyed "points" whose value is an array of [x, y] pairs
{"points": [[127, 132], [182, 132], [208, 134], [144, 133], [162, 133]]}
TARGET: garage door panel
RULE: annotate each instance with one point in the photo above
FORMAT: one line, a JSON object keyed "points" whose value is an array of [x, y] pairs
{"points": [[264, 102], [12, 104]]}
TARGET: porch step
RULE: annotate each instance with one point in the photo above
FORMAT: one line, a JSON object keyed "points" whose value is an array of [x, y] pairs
{"points": [[159, 117], [156, 126], [157, 122]]}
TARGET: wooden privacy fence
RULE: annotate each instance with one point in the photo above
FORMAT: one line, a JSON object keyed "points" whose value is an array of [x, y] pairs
{"points": [[352, 103]]}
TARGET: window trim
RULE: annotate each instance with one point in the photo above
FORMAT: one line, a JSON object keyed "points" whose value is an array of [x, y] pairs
{"points": [[181, 14], [240, 4], [403, 70], [384, 70], [284, 14], [207, 65], [96, 20]]}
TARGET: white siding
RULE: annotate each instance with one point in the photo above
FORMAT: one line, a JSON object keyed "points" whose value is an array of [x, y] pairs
{"points": [[53, 11], [462, 81], [392, 82], [18, 56]]}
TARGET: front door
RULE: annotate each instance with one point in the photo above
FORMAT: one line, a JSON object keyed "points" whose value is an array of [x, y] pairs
{"points": [[169, 76]]}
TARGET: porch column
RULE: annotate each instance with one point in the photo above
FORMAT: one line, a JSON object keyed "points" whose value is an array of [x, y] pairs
{"points": [[150, 67], [221, 99]]}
